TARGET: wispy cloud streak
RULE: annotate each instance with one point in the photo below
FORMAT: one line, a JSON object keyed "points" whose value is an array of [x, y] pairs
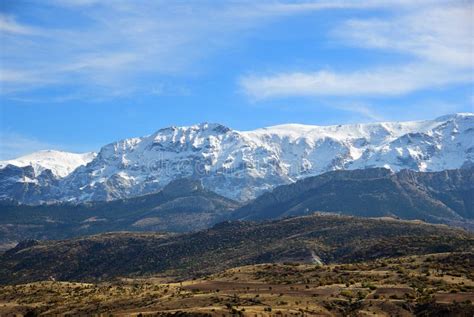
{"points": [[437, 37], [110, 45]]}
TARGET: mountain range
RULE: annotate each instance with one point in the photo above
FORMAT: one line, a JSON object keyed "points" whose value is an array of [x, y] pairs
{"points": [[240, 165], [207, 221], [185, 205]]}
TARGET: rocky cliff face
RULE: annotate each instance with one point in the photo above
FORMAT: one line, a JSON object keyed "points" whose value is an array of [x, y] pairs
{"points": [[244, 164], [22, 184]]}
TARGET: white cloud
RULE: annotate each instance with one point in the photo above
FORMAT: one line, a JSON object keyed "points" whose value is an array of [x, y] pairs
{"points": [[363, 109], [119, 45], [375, 82], [442, 34], [438, 39], [15, 80], [9, 25], [12, 76], [114, 45]]}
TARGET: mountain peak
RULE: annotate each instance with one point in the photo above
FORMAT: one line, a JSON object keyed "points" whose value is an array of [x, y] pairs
{"points": [[204, 126], [211, 127], [60, 163], [459, 115]]}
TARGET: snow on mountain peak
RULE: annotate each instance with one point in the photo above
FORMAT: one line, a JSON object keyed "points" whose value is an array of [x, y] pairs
{"points": [[201, 128], [243, 164], [454, 116], [60, 163]]}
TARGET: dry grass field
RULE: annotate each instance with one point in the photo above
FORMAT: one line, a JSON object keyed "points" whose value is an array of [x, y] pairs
{"points": [[428, 285]]}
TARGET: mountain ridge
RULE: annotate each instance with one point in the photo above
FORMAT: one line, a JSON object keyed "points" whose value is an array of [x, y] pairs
{"points": [[60, 163], [185, 205], [444, 196], [333, 238], [244, 164], [181, 206]]}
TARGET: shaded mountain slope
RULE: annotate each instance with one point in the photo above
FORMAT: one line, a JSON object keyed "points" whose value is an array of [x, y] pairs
{"points": [[432, 196], [183, 205], [330, 238]]}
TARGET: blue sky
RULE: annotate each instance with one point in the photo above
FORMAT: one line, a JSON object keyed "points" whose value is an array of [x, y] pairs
{"points": [[77, 74]]}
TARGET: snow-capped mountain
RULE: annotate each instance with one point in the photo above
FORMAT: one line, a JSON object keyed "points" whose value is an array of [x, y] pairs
{"points": [[60, 163], [243, 164]]}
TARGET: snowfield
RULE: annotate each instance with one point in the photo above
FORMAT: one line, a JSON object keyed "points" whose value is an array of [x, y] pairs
{"points": [[243, 164], [60, 163]]}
